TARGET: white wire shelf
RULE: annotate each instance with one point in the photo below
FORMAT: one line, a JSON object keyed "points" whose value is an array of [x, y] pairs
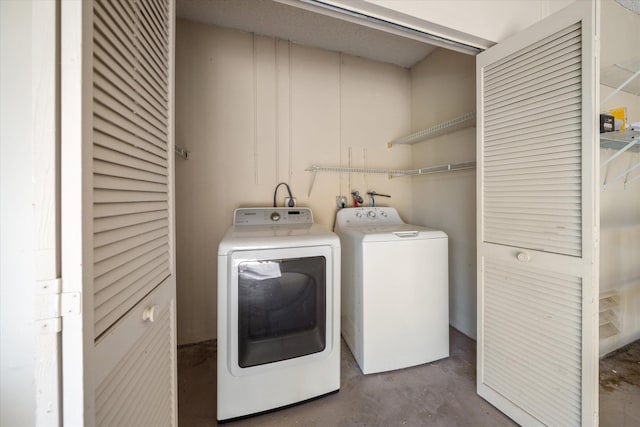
{"points": [[389, 172], [394, 172], [620, 139], [458, 123]]}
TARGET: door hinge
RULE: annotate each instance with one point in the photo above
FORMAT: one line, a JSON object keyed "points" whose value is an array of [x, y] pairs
{"points": [[51, 304]]}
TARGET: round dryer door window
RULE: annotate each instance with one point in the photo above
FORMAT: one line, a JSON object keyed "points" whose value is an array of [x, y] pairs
{"points": [[281, 309]]}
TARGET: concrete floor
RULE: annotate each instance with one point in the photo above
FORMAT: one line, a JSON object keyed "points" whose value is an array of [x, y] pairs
{"points": [[442, 393]]}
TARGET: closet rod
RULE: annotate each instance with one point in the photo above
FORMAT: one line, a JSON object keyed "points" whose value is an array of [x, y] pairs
{"points": [[339, 169], [182, 152]]}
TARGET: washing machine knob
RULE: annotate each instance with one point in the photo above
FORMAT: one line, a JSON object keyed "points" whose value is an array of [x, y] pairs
{"points": [[275, 216], [358, 215], [371, 214]]}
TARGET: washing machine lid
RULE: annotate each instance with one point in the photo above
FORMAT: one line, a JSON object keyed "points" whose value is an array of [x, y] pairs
{"points": [[391, 233]]}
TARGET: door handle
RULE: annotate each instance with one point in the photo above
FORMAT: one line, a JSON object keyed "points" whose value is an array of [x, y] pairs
{"points": [[149, 314], [406, 233]]}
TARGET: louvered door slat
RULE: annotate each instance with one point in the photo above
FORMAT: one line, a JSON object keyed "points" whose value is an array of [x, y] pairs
{"points": [[119, 151], [152, 28], [120, 107], [120, 235], [560, 152], [555, 62], [554, 88], [537, 151], [518, 61], [101, 211], [140, 280], [547, 144], [109, 264], [122, 196], [122, 14], [524, 114], [103, 127], [156, 20], [141, 382], [116, 183], [533, 101], [161, 6], [108, 313], [152, 44], [128, 372], [123, 93], [105, 65], [113, 34], [533, 135], [130, 166], [120, 221], [150, 61], [563, 116], [131, 89], [115, 280], [128, 124], [526, 303], [121, 246], [113, 169]]}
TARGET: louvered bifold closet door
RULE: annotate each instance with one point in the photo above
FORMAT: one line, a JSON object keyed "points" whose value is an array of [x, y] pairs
{"points": [[537, 174], [130, 154], [532, 146]]}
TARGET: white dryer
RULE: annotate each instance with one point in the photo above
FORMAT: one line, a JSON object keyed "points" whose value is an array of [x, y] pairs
{"points": [[278, 311], [395, 289]]}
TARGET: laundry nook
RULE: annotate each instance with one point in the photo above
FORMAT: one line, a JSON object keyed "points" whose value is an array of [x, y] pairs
{"points": [[320, 213]]}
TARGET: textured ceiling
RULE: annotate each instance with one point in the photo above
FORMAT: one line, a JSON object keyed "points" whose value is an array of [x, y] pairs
{"points": [[268, 18], [633, 5]]}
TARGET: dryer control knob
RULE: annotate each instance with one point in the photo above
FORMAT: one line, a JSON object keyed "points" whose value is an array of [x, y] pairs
{"points": [[275, 216], [371, 214]]}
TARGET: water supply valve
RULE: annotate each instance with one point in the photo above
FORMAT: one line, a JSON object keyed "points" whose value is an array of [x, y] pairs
{"points": [[357, 198], [373, 194]]}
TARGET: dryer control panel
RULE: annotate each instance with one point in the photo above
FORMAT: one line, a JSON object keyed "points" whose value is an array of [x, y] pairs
{"points": [[273, 216]]}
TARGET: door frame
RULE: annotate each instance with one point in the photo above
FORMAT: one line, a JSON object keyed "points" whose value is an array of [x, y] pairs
{"points": [[76, 201]]}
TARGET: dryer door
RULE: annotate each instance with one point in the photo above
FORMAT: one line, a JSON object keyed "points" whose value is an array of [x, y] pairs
{"points": [[279, 306]]}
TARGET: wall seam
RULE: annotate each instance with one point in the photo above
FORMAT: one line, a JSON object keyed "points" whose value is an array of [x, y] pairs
{"points": [[277, 107], [290, 113], [255, 110]]}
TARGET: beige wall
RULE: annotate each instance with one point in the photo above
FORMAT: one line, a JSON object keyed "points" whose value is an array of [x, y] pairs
{"points": [[443, 87], [254, 112]]}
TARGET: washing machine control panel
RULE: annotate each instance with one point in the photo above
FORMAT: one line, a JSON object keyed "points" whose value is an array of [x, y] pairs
{"points": [[276, 216], [368, 215]]}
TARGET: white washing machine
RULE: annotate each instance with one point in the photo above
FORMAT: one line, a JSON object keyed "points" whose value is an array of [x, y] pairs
{"points": [[395, 289], [278, 311]]}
